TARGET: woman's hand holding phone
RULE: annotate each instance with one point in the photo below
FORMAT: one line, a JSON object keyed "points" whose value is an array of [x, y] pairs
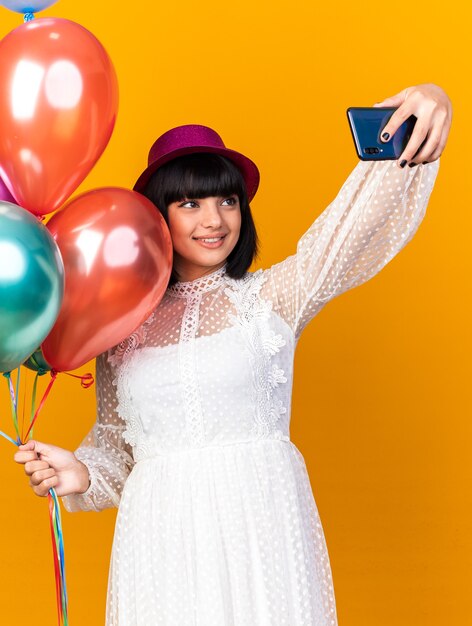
{"points": [[432, 108]]}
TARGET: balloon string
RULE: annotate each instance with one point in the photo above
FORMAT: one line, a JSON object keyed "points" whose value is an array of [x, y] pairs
{"points": [[33, 399], [55, 520], [54, 550], [58, 557], [17, 386], [58, 554], [61, 554], [23, 407], [86, 380], [43, 400], [8, 437], [13, 397], [54, 517], [13, 403]]}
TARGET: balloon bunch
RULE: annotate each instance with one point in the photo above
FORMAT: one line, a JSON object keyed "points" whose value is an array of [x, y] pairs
{"points": [[80, 284]]}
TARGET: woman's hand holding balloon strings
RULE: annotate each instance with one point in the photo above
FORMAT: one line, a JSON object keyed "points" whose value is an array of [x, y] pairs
{"points": [[49, 466]]}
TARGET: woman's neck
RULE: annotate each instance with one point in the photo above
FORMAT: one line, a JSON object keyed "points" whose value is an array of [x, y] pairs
{"points": [[192, 272]]}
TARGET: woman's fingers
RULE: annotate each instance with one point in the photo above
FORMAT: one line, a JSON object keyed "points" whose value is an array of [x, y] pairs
{"points": [[37, 477], [23, 457], [432, 108], [423, 130], [442, 144], [394, 101], [42, 476], [417, 138], [398, 117], [437, 139], [430, 145], [32, 449], [25, 452], [42, 488], [34, 466]]}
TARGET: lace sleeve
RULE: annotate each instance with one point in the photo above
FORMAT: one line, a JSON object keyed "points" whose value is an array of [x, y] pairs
{"points": [[375, 214], [108, 458]]}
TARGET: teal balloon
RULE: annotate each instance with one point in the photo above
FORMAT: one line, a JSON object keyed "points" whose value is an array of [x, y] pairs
{"points": [[31, 284], [38, 363]]}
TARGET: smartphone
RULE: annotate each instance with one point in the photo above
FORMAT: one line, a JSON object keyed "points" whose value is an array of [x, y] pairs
{"points": [[367, 123]]}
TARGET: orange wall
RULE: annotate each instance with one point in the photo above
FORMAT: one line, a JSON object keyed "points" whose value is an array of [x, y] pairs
{"points": [[381, 408]]}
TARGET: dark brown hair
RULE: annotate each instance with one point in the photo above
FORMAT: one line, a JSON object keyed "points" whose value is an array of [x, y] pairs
{"points": [[200, 175]]}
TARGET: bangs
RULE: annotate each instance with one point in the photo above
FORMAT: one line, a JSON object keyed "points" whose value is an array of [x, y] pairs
{"points": [[200, 175]]}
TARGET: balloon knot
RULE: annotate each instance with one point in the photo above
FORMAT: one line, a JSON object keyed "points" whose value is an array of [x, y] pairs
{"points": [[6, 374], [28, 17]]}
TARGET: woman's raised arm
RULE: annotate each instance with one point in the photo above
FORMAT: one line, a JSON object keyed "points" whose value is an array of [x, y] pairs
{"points": [[375, 214]]}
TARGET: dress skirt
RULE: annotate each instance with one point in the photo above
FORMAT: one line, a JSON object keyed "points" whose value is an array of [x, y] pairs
{"points": [[225, 535]]}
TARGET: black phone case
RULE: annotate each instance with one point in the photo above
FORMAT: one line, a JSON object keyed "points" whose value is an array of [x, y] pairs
{"points": [[366, 124]]}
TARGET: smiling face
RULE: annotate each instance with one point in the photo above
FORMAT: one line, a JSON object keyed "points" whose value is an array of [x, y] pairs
{"points": [[204, 196], [204, 231]]}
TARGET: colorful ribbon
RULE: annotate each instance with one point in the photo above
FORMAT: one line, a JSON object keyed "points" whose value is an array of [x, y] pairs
{"points": [[58, 552], [34, 416], [54, 508]]}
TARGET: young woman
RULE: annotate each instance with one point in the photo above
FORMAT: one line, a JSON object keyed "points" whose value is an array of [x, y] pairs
{"points": [[217, 523]]}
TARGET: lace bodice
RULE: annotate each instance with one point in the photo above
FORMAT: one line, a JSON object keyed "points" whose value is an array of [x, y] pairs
{"points": [[199, 285], [213, 363]]}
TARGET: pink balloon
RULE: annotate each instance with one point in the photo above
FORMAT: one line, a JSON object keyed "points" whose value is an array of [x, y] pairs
{"points": [[5, 195]]}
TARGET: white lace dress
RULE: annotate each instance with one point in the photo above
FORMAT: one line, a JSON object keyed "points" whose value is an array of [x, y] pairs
{"points": [[217, 524]]}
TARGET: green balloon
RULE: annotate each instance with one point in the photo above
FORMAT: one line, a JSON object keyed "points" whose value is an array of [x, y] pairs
{"points": [[31, 284], [38, 363]]}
